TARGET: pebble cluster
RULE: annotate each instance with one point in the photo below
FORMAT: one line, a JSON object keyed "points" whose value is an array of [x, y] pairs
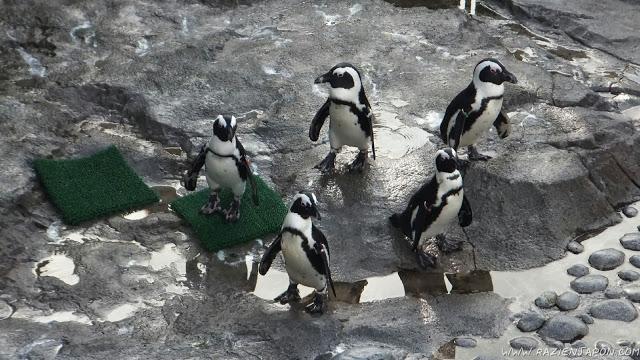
{"points": [[563, 328]]}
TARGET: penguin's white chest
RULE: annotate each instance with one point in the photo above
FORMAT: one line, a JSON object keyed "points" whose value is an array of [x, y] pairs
{"points": [[344, 128], [222, 170], [450, 207], [297, 263], [483, 123]]}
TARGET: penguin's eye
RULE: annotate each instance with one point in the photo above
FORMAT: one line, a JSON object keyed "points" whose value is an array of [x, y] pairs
{"points": [[340, 74], [494, 71]]}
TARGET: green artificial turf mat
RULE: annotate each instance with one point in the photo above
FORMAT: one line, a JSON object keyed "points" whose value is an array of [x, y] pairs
{"points": [[255, 221], [95, 186]]}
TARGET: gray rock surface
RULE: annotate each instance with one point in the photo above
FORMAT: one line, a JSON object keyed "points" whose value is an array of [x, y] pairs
{"points": [[631, 241], [632, 293], [371, 353], [578, 270], [568, 300], [579, 344], [524, 342], [564, 328], [635, 260], [575, 247], [149, 76], [614, 309], [630, 211], [5, 310], [629, 275], [530, 321], [546, 300], [465, 342], [615, 292], [586, 319], [606, 259], [589, 284]]}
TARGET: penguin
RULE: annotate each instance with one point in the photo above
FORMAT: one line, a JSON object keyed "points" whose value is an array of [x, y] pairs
{"points": [[472, 112], [351, 118], [305, 251], [226, 166], [435, 205]]}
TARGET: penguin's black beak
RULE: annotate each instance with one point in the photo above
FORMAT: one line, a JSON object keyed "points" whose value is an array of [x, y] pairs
{"points": [[317, 213], [322, 78], [507, 76]]}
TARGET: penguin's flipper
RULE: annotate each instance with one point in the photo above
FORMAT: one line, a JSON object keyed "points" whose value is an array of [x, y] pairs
{"points": [[246, 169], [269, 255], [458, 128], [502, 125], [318, 121], [418, 227], [322, 248], [190, 177], [465, 215], [370, 126]]}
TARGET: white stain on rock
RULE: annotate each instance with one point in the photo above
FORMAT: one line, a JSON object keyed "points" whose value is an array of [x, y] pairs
{"points": [[59, 266]]}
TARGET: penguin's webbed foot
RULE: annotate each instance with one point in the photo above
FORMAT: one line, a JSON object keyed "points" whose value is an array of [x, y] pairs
{"points": [[212, 206], [474, 155], [328, 164], [447, 246], [317, 306], [359, 162], [426, 260], [290, 295], [233, 213]]}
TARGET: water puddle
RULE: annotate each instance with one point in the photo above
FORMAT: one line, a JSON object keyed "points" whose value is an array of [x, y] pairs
{"points": [[524, 286], [166, 193], [59, 266], [35, 67], [122, 312], [430, 4], [395, 138], [40, 316]]}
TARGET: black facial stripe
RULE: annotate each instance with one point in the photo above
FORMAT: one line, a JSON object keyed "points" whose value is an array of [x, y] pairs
{"points": [[305, 211], [486, 75], [345, 81], [220, 131]]}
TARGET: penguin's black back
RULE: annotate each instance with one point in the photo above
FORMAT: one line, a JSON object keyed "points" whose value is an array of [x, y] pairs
{"points": [[426, 194], [462, 101]]}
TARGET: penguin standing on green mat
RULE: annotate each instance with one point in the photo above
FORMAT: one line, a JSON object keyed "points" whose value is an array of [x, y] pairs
{"points": [[226, 166], [305, 251]]}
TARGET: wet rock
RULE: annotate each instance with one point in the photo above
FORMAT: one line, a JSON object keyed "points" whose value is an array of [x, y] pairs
{"points": [[635, 260], [568, 300], [604, 346], [578, 270], [564, 328], [632, 293], [523, 342], [546, 300], [530, 321], [631, 241], [575, 247], [614, 309], [615, 292], [629, 275], [465, 342], [585, 319], [372, 353], [625, 343], [553, 343], [5, 310], [630, 211], [589, 283], [606, 259], [578, 344]]}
